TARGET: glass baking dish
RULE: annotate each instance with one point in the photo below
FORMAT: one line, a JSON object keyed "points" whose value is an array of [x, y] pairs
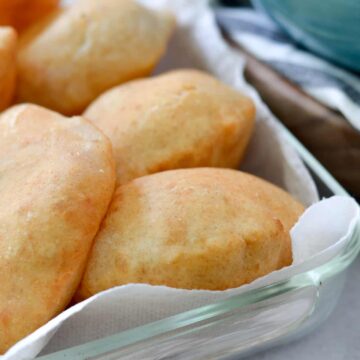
{"points": [[242, 324]]}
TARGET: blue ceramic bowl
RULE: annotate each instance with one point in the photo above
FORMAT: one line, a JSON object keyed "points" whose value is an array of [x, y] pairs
{"points": [[330, 28]]}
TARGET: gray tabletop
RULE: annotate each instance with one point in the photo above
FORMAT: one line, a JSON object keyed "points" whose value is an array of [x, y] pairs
{"points": [[337, 339]]}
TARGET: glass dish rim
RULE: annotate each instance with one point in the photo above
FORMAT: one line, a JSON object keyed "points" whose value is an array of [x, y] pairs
{"points": [[312, 277]]}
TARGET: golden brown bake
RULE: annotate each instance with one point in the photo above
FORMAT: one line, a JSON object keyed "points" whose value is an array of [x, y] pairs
{"points": [[8, 40], [70, 58], [201, 228], [22, 13], [57, 177], [181, 119]]}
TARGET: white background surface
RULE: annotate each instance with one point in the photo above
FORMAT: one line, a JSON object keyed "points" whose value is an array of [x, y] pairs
{"points": [[337, 339]]}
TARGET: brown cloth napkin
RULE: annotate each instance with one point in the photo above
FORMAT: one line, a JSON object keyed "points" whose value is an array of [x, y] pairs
{"points": [[324, 132]]}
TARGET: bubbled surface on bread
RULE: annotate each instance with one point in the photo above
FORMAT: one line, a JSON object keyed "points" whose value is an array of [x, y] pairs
{"points": [[194, 229], [57, 177], [184, 118], [70, 57]]}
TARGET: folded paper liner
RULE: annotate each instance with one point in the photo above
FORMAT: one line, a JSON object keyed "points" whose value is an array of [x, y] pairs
{"points": [[321, 233]]}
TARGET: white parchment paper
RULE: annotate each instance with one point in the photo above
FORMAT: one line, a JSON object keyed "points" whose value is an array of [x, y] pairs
{"points": [[321, 233]]}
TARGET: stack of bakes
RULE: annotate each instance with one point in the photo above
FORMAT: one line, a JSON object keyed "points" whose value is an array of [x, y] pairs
{"points": [[136, 188]]}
